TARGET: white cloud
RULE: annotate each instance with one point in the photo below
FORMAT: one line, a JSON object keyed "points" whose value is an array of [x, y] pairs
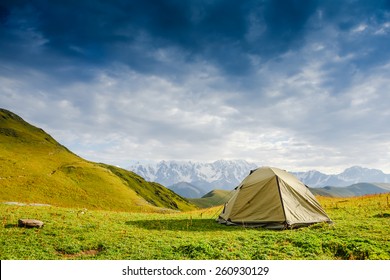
{"points": [[360, 28], [322, 102], [292, 121], [383, 29]]}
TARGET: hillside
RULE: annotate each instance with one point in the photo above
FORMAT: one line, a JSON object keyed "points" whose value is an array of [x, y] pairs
{"points": [[358, 189], [35, 168], [213, 198]]}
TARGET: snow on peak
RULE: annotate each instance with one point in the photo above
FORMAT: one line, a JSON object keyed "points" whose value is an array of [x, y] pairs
{"points": [[221, 173], [227, 174]]}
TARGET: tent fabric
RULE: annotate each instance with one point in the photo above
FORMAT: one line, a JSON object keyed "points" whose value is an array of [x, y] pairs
{"points": [[272, 198]]}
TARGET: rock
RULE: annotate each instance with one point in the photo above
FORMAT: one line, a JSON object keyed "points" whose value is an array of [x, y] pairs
{"points": [[30, 223]]}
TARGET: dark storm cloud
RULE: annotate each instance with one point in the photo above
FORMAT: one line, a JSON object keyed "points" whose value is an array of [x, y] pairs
{"points": [[286, 22], [224, 32], [102, 32], [3, 14]]}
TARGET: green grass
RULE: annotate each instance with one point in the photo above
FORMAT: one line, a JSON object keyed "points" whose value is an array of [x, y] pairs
{"points": [[361, 230], [34, 168]]}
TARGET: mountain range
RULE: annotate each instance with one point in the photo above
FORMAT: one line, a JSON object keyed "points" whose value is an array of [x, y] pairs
{"points": [[352, 175], [193, 179], [221, 174]]}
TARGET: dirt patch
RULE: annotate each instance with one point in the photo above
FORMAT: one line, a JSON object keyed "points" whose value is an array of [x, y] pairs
{"points": [[91, 252], [24, 204]]}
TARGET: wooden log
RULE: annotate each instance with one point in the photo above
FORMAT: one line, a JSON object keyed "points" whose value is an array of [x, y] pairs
{"points": [[30, 223]]}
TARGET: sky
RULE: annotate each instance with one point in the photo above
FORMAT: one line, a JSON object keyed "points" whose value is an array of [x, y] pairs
{"points": [[299, 85]]}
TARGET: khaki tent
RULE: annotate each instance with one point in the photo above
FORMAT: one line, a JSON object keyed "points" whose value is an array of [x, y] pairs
{"points": [[272, 198]]}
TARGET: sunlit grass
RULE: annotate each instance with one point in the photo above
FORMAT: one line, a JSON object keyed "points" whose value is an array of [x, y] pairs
{"points": [[361, 230]]}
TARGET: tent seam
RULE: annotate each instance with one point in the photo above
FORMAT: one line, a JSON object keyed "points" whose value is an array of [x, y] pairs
{"points": [[281, 198]]}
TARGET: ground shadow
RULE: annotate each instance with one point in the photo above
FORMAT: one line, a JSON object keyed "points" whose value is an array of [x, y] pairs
{"points": [[382, 215], [195, 225], [11, 226]]}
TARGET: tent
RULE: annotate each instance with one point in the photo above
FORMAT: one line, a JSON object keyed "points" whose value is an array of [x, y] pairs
{"points": [[272, 198]]}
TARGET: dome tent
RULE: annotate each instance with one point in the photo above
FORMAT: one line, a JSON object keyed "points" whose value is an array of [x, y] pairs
{"points": [[272, 198]]}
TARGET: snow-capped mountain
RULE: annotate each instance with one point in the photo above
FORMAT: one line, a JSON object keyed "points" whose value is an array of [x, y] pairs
{"points": [[349, 176], [221, 174], [227, 174]]}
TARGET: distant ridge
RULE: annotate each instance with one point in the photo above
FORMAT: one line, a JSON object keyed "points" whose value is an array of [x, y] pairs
{"points": [[35, 168], [358, 189]]}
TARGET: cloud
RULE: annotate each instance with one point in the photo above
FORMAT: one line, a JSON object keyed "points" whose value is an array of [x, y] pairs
{"points": [[276, 82], [133, 33]]}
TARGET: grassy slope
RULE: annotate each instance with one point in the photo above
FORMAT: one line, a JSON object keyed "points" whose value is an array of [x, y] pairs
{"points": [[212, 198], [34, 168], [361, 230]]}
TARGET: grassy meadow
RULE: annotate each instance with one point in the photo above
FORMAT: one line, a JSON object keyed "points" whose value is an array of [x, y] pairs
{"points": [[361, 230]]}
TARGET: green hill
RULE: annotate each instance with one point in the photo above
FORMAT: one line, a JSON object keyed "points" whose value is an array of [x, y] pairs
{"points": [[358, 189], [35, 168], [213, 198]]}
